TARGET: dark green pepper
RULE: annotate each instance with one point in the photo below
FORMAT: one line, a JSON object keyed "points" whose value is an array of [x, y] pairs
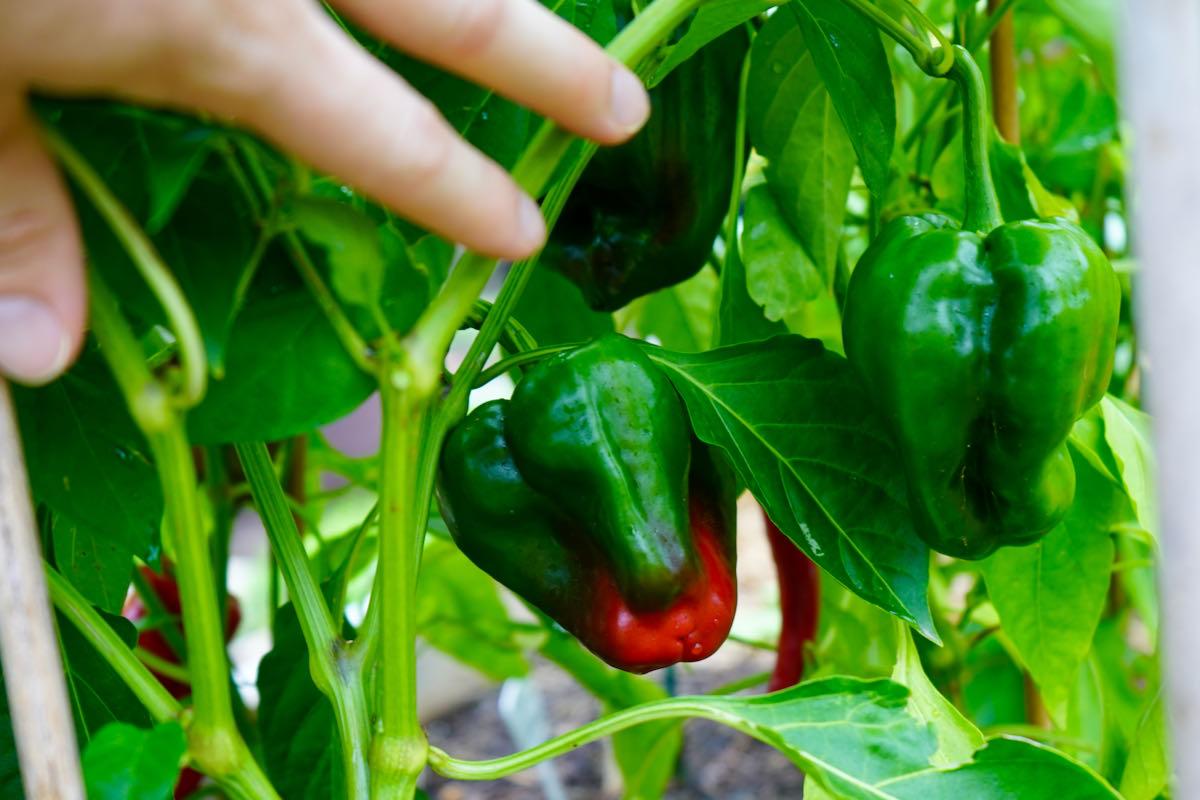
{"points": [[983, 346], [586, 495], [644, 215]]}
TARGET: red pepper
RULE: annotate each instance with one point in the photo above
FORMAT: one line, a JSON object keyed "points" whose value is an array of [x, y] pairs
{"points": [[800, 604]]}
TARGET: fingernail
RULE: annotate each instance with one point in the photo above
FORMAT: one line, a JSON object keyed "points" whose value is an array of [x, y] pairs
{"points": [[33, 344], [630, 103], [533, 225]]}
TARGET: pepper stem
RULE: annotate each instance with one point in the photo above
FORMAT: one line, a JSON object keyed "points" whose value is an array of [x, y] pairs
{"points": [[982, 206]]}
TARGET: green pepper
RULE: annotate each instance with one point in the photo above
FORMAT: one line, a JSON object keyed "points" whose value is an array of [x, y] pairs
{"points": [[982, 346], [587, 496], [644, 215]]}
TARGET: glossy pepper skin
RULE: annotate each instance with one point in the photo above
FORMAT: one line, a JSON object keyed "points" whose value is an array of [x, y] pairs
{"points": [[983, 347], [644, 215], [586, 495]]}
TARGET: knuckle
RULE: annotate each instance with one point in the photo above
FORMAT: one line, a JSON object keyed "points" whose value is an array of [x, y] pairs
{"points": [[24, 232], [428, 149], [476, 26]]}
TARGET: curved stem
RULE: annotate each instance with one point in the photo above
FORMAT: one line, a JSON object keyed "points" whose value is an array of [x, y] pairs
{"points": [[930, 62], [79, 612], [515, 338], [920, 19], [145, 257], [982, 205], [506, 365], [674, 708]]}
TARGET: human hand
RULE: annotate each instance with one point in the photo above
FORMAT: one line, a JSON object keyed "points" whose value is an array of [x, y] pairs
{"points": [[285, 70]]}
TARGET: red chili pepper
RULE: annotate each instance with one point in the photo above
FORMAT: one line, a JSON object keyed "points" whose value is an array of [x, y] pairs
{"points": [[800, 604]]}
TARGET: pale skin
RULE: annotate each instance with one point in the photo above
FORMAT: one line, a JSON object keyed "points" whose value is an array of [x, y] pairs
{"points": [[285, 70]]}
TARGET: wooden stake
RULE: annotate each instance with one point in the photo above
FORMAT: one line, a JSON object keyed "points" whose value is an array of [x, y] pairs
{"points": [[1005, 107], [33, 671]]}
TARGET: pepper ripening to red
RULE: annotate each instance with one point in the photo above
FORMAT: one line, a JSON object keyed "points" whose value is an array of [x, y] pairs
{"points": [[982, 347], [586, 495], [799, 606], [645, 214]]}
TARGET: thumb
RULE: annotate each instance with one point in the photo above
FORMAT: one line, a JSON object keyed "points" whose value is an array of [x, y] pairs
{"points": [[42, 288]]}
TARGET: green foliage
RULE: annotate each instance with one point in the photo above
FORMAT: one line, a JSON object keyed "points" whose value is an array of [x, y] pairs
{"points": [[123, 762], [1036, 674]]}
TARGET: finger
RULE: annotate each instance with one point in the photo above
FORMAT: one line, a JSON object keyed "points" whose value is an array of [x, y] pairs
{"points": [[320, 96], [521, 49], [42, 287]]}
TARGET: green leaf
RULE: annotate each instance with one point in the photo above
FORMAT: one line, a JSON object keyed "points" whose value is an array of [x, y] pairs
{"points": [[1094, 22], [351, 246], [460, 613], [780, 275], [957, 737], [647, 754], [792, 122], [98, 694], [1127, 431], [89, 463], [1050, 595], [299, 735], [714, 18], [849, 54], [848, 735], [679, 317], [126, 763], [552, 309], [1007, 768], [739, 318], [1148, 770], [175, 148], [820, 463], [96, 562]]}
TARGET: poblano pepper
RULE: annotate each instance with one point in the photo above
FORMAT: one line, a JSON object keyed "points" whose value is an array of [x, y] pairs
{"points": [[644, 215], [983, 345], [586, 495]]}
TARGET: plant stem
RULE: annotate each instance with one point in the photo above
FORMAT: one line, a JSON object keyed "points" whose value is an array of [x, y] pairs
{"points": [[982, 205], [1003, 55], [213, 738], [335, 673], [492, 769], [399, 750], [931, 62], [79, 612], [519, 360], [145, 257]]}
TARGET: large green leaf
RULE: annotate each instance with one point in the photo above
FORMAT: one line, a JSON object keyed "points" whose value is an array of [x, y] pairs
{"points": [[713, 19], [1006, 768], [124, 762], [849, 54], [1147, 770], [793, 123], [780, 275], [299, 734], [1050, 595], [460, 613], [957, 737], [799, 428]]}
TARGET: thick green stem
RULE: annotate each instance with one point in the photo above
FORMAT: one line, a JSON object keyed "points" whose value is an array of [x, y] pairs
{"points": [[335, 672], [982, 205], [932, 62], [213, 738], [79, 612], [399, 750]]}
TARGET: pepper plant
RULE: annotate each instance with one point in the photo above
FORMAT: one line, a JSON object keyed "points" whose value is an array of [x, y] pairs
{"points": [[961, 511]]}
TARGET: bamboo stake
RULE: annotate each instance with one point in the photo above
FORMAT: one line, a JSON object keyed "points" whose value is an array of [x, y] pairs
{"points": [[33, 672]]}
